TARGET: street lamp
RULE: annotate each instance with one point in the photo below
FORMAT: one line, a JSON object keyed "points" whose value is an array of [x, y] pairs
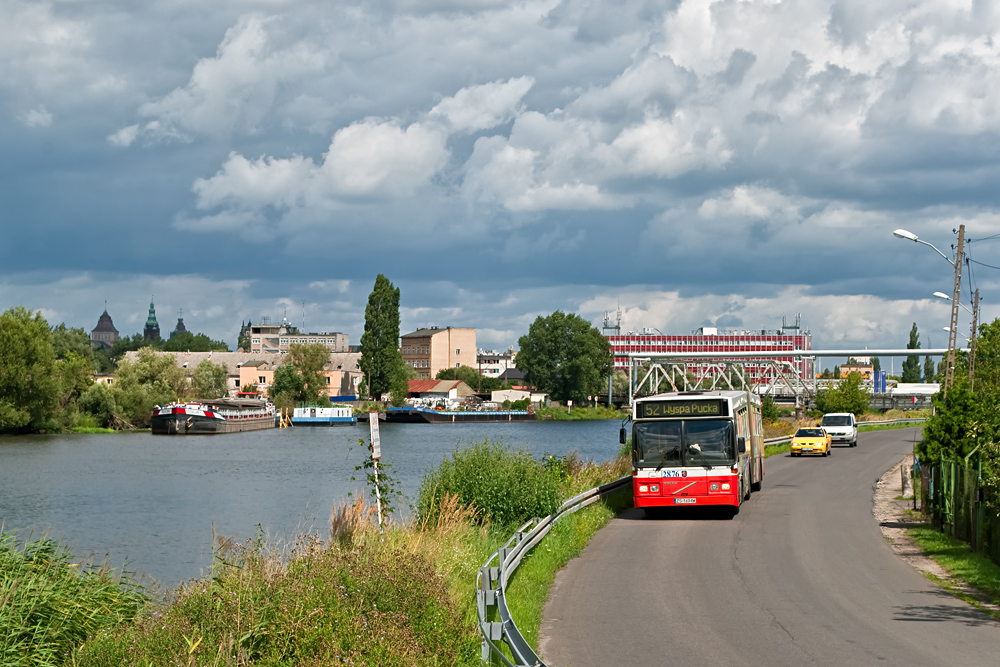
{"points": [[956, 264], [910, 236], [948, 329], [942, 295]]}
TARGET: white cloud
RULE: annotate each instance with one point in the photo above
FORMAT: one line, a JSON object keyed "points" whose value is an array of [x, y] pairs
{"points": [[249, 184], [671, 147], [38, 117], [381, 157], [237, 87], [484, 106], [125, 136]]}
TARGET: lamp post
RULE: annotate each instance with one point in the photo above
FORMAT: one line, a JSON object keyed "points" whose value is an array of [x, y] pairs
{"points": [[972, 339], [949, 371]]}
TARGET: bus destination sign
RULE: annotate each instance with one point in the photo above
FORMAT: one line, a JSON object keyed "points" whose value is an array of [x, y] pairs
{"points": [[696, 408]]}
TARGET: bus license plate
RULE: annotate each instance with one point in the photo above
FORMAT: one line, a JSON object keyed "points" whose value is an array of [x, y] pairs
{"points": [[685, 501]]}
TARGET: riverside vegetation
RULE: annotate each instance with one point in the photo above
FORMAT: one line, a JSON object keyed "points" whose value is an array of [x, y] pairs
{"points": [[358, 596]]}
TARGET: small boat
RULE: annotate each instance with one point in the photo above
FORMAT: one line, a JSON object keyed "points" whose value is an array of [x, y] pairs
{"points": [[313, 415], [410, 415], [206, 417]]}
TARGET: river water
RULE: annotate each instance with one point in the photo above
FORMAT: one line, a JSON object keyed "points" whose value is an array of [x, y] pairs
{"points": [[148, 503]]}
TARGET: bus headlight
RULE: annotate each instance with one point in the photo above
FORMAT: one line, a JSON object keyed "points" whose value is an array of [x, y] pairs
{"points": [[725, 486], [643, 488]]}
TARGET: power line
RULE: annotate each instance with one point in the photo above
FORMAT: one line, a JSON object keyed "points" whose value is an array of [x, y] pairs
{"points": [[989, 266]]}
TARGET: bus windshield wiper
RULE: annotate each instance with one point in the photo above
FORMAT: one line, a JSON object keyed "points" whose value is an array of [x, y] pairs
{"points": [[663, 461], [696, 450]]}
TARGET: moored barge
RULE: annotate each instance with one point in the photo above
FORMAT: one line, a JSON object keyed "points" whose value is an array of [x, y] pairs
{"points": [[221, 415], [323, 416]]}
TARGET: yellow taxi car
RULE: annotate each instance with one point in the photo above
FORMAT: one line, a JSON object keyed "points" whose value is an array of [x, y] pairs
{"points": [[811, 441]]}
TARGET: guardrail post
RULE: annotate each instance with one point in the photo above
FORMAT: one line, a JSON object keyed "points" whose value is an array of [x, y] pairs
{"points": [[486, 600]]}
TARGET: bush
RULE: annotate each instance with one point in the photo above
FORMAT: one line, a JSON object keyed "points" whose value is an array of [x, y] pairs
{"points": [[505, 486]]}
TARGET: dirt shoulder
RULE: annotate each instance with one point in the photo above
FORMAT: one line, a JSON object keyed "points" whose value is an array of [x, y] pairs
{"points": [[895, 517]]}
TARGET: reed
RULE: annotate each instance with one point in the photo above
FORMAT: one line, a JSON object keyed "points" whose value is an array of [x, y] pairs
{"points": [[50, 603]]}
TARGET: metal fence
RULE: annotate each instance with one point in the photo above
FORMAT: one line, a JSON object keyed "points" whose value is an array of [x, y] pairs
{"points": [[495, 622], [952, 495]]}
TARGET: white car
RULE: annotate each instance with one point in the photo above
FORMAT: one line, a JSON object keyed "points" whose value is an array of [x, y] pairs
{"points": [[842, 427]]}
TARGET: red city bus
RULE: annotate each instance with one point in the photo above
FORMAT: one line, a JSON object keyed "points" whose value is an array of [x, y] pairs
{"points": [[696, 448]]}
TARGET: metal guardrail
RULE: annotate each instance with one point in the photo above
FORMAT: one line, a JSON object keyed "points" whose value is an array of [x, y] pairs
{"points": [[491, 582], [786, 438]]}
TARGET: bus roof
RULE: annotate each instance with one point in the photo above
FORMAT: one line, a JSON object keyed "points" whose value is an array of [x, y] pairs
{"points": [[690, 395]]}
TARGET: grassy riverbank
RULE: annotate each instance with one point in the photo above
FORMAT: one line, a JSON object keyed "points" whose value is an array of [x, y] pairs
{"points": [[403, 596], [580, 413]]}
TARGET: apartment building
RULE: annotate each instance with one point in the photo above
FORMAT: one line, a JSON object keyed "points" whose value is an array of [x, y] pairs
{"points": [[276, 338], [491, 363], [433, 349]]}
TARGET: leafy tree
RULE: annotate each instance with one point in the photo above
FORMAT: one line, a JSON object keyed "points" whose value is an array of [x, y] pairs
{"points": [[876, 364], [150, 380], [929, 369], [619, 383], [101, 401], [209, 380], [287, 387], [769, 410], [380, 359], [400, 386], [848, 396], [309, 360], [73, 372], [466, 374], [911, 366], [65, 340], [185, 341], [836, 372], [29, 386], [565, 356]]}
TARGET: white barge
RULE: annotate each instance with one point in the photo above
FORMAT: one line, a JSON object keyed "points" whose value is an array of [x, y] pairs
{"points": [[221, 415], [335, 415]]}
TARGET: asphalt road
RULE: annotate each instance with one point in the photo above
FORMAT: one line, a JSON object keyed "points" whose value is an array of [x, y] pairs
{"points": [[801, 576]]}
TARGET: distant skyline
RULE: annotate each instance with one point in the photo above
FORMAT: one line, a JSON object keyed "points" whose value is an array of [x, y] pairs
{"points": [[693, 162]]}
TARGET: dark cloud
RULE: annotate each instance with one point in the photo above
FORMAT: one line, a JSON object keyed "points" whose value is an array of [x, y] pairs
{"points": [[496, 161]]}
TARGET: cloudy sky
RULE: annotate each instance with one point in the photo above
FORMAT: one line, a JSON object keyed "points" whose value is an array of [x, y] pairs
{"points": [[690, 162]]}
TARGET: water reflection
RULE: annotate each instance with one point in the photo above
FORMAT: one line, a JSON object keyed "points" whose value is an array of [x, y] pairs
{"points": [[153, 499]]}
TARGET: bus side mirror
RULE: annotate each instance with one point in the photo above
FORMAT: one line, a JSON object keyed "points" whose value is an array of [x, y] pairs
{"points": [[621, 435], [741, 445]]}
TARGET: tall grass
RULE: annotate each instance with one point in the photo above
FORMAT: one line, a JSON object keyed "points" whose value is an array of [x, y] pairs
{"points": [[358, 601], [50, 603], [582, 413]]}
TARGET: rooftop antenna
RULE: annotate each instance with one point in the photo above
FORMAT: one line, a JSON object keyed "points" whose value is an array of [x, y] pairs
{"points": [[303, 317]]}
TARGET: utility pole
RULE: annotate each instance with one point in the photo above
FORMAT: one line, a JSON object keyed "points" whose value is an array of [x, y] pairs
{"points": [[972, 342], [949, 370]]}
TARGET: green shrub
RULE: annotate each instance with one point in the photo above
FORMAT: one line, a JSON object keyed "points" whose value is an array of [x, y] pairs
{"points": [[507, 487], [49, 603]]}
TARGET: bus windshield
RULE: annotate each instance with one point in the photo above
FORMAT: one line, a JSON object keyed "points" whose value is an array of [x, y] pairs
{"points": [[681, 442]]}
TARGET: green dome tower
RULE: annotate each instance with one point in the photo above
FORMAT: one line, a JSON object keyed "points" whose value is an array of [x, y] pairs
{"points": [[152, 330]]}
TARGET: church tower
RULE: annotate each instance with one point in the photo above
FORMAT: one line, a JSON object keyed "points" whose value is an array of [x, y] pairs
{"points": [[152, 330]]}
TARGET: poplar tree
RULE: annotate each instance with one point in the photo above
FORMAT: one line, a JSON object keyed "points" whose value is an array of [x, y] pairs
{"points": [[911, 366], [381, 361]]}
